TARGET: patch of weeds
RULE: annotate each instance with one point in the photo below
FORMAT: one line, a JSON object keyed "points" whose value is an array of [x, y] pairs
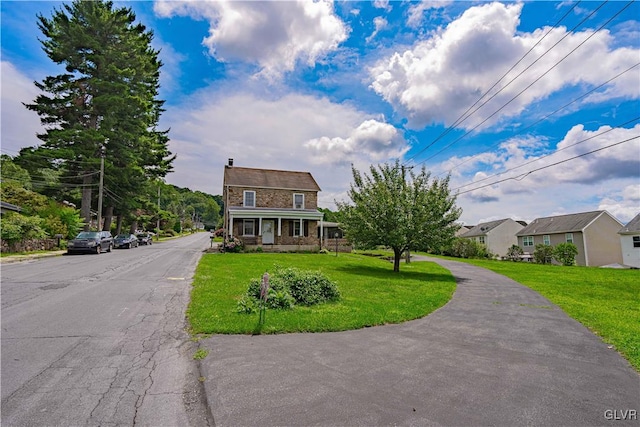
{"points": [[200, 354]]}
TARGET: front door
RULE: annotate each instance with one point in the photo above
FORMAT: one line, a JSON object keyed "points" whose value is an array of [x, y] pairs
{"points": [[267, 232]]}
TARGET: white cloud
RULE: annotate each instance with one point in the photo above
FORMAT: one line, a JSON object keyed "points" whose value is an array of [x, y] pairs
{"points": [[287, 132], [275, 35], [19, 125], [439, 78], [382, 4], [605, 179], [416, 12], [380, 24]]}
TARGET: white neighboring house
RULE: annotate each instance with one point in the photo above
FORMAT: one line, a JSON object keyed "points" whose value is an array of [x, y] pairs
{"points": [[498, 236], [630, 243]]}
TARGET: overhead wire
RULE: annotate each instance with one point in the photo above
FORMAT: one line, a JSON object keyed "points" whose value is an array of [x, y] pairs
{"points": [[549, 115], [524, 175], [552, 154], [528, 86], [464, 116]]}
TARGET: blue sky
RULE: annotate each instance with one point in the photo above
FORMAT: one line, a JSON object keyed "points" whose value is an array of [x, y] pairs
{"points": [[319, 86]]}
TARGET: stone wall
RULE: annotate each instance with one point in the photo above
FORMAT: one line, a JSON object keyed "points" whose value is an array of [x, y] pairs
{"points": [[29, 245], [272, 198]]}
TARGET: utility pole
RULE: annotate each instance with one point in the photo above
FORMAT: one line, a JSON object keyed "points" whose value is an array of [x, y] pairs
{"points": [[100, 188], [158, 226]]}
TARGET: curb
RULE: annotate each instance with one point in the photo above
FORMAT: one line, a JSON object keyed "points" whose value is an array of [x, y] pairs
{"points": [[19, 258]]}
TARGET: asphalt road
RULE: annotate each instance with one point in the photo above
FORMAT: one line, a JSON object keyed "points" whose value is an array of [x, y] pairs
{"points": [[101, 339]]}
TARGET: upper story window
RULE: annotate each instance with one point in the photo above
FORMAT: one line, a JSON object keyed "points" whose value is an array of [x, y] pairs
{"points": [[249, 199], [568, 237], [527, 241], [481, 239], [546, 239], [636, 241], [298, 201]]}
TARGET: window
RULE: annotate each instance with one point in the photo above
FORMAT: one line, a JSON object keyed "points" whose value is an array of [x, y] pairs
{"points": [[636, 241], [249, 199], [546, 239], [298, 201], [568, 237], [297, 229], [481, 239], [248, 227], [527, 241]]}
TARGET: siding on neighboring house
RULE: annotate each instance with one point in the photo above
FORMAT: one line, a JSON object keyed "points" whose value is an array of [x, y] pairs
{"points": [[630, 243], [498, 236], [593, 233]]}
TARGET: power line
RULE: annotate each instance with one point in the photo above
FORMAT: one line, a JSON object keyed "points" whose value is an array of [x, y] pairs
{"points": [[551, 154], [551, 114], [531, 84], [524, 175], [464, 116]]}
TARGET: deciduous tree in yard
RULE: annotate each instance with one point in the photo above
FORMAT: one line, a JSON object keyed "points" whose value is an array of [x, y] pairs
{"points": [[404, 214]]}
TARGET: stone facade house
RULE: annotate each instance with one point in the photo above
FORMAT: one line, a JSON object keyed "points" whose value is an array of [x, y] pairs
{"points": [[498, 236], [630, 243], [595, 234], [272, 209]]}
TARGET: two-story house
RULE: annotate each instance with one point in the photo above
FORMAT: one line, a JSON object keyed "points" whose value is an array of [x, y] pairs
{"points": [[274, 209], [498, 236], [630, 242], [595, 235]]}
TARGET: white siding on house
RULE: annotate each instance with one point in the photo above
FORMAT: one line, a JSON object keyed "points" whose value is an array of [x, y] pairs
{"points": [[630, 254]]}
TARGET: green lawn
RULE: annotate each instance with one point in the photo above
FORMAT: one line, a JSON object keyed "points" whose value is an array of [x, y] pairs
{"points": [[371, 294], [605, 300]]}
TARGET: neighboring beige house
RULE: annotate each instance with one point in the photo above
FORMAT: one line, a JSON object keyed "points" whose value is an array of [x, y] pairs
{"points": [[595, 234], [463, 229], [630, 243], [498, 236], [273, 209]]}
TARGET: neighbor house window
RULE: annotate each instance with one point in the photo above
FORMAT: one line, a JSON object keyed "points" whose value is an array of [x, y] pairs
{"points": [[568, 237], [298, 201], [481, 239], [546, 239], [636, 241], [249, 227], [527, 241], [249, 199]]}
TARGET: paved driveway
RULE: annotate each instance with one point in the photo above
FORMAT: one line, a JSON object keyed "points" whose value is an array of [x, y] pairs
{"points": [[497, 354]]}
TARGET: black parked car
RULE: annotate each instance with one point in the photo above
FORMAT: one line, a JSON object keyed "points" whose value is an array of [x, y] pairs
{"points": [[125, 241], [145, 239], [91, 241]]}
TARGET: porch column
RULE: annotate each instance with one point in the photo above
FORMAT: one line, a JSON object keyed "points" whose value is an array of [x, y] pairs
{"points": [[230, 225], [302, 227], [321, 233], [260, 226], [279, 226]]}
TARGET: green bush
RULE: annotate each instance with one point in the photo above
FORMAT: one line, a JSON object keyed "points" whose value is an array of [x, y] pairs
{"points": [[61, 219], [287, 287], [543, 254], [514, 253], [15, 227], [565, 253], [467, 248]]}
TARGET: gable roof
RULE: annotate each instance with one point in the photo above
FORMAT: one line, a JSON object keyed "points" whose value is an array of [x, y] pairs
{"points": [[268, 178], [633, 227], [483, 228], [561, 223]]}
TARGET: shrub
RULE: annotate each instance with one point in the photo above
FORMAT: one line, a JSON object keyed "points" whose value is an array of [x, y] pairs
{"points": [[287, 287], [233, 245], [514, 253], [543, 254], [565, 253], [467, 248], [16, 228]]}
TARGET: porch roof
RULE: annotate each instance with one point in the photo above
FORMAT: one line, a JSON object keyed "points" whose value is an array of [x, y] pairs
{"points": [[242, 212]]}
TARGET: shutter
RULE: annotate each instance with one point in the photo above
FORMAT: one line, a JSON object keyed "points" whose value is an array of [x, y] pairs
{"points": [[306, 228], [290, 228]]}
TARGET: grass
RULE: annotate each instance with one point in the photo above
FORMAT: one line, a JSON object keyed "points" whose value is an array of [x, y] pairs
{"points": [[605, 300], [371, 293]]}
